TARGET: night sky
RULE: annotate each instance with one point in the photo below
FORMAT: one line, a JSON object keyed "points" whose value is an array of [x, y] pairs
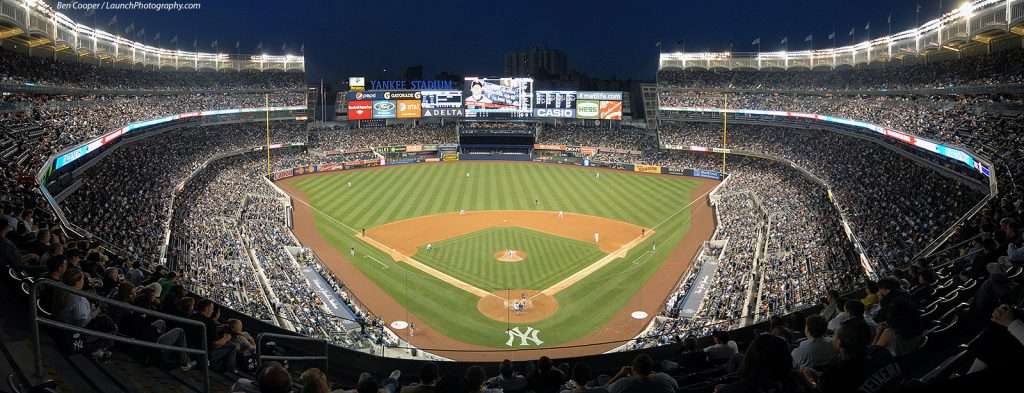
{"points": [[602, 38]]}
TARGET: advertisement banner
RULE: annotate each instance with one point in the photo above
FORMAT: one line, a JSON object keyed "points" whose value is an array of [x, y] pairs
{"points": [[408, 109], [611, 110], [401, 95], [360, 110], [647, 168], [600, 95], [364, 95], [357, 83], [549, 147], [588, 150], [413, 148], [588, 109], [384, 109], [555, 103], [443, 112]]}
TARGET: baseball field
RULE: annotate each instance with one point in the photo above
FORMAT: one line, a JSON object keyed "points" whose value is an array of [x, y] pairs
{"points": [[492, 260]]}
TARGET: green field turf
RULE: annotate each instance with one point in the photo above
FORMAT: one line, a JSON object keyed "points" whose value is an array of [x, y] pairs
{"points": [[382, 195], [470, 258]]}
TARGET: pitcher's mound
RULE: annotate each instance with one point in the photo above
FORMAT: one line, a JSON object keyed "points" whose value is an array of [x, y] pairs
{"points": [[517, 306], [510, 255]]}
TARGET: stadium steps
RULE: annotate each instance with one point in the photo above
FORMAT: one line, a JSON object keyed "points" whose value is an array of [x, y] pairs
{"points": [[133, 376]]}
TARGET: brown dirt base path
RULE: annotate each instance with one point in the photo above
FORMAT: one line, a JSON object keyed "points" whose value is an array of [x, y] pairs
{"points": [[536, 306], [620, 328]]}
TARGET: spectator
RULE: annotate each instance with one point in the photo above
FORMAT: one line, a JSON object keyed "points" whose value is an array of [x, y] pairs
{"points": [[507, 378], [314, 381], [429, 375], [641, 378], [766, 367], [723, 349], [582, 381], [858, 367], [545, 377], [218, 338], [816, 351]]}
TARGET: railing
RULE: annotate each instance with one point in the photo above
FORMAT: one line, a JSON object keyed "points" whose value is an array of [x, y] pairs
{"points": [[36, 320], [36, 18], [946, 32], [261, 357]]}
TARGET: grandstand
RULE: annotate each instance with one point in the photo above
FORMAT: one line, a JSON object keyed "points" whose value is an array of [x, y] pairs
{"points": [[868, 196]]}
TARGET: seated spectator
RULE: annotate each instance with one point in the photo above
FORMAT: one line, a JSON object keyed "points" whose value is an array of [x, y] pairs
{"points": [[314, 381], [766, 367], [816, 351], [903, 328], [690, 357], [146, 327], [507, 378], [832, 303], [545, 378], [240, 338], [474, 381], [582, 381], [992, 292], [71, 308], [429, 375], [641, 378], [218, 338], [852, 309], [858, 366], [723, 349], [1000, 346], [871, 294], [272, 378]]}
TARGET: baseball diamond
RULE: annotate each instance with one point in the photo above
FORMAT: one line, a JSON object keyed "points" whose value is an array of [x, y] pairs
{"points": [[434, 234]]}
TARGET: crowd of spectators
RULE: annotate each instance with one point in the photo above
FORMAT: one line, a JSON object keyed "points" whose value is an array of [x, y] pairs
{"points": [[1003, 67], [894, 215], [627, 138], [40, 70]]}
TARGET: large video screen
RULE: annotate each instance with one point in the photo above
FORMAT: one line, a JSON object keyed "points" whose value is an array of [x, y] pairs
{"points": [[552, 103], [498, 97]]}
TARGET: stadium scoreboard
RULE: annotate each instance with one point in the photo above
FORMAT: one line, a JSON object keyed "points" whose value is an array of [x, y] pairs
{"points": [[483, 98]]}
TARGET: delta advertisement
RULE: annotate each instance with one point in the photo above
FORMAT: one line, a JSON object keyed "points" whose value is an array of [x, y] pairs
{"points": [[442, 103]]}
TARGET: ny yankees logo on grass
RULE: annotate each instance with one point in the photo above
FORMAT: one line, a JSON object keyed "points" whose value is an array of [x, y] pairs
{"points": [[525, 337]]}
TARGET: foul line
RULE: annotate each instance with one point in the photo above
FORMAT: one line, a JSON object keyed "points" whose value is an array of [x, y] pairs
{"points": [[378, 261]]}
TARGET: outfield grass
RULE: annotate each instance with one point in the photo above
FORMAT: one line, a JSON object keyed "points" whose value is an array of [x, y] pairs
{"points": [[383, 195], [470, 258]]}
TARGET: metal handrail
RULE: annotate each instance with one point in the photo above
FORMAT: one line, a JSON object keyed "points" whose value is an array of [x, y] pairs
{"points": [[260, 356], [36, 320]]}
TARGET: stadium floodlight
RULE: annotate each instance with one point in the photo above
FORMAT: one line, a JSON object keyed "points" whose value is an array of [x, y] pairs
{"points": [[965, 10]]}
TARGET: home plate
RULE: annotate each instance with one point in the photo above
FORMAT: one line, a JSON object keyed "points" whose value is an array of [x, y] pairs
{"points": [[635, 315], [399, 325]]}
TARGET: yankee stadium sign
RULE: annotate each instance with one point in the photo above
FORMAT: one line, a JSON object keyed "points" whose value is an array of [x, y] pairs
{"points": [[412, 85]]}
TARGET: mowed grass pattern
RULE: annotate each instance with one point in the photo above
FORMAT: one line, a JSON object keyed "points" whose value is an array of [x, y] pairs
{"points": [[470, 258], [381, 195]]}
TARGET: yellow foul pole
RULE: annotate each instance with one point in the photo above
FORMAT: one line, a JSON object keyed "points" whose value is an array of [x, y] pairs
{"points": [[266, 100], [725, 130]]}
